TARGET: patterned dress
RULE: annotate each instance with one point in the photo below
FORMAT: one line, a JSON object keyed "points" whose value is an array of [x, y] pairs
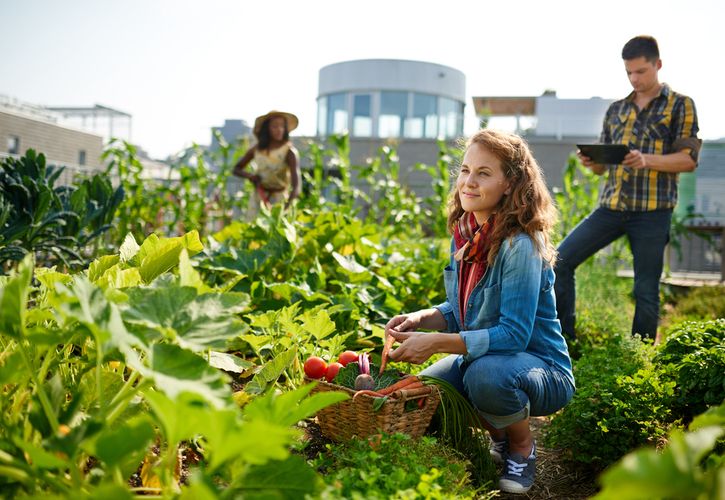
{"points": [[275, 180]]}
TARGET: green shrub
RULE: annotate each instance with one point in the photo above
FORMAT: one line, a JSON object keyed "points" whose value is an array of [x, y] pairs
{"points": [[620, 403], [604, 307], [687, 468], [701, 303], [693, 357], [395, 466]]}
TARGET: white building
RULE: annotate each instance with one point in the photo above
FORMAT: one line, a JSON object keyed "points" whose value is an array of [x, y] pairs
{"points": [[390, 98]]}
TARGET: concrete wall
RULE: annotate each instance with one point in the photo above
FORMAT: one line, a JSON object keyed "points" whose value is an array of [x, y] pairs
{"points": [[61, 145], [562, 118]]}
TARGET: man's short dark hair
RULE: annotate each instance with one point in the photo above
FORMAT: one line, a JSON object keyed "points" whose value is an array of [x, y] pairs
{"points": [[641, 46]]}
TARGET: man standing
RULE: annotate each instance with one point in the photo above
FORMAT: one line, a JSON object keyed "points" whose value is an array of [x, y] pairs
{"points": [[660, 128]]}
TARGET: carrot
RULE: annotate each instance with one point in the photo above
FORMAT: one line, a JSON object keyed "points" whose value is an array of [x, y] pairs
{"points": [[386, 349], [399, 384], [412, 391], [369, 393]]}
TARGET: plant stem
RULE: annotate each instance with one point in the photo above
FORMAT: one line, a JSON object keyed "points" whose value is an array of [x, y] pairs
{"points": [[44, 401], [124, 393]]}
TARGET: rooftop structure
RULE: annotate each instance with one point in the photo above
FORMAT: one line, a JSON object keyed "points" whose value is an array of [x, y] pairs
{"points": [[390, 98]]}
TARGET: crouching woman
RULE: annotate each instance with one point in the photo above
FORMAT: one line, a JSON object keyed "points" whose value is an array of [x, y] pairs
{"points": [[508, 356]]}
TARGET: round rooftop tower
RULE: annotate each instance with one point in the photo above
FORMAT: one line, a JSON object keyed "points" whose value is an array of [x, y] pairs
{"points": [[391, 98]]}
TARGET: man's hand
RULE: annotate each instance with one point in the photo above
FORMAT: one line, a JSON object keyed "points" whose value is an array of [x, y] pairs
{"points": [[597, 168], [635, 159]]}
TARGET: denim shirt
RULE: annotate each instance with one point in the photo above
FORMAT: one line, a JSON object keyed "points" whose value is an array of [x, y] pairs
{"points": [[512, 309]]}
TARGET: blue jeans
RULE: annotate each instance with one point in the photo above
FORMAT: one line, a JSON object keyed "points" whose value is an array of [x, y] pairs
{"points": [[647, 232], [506, 388]]}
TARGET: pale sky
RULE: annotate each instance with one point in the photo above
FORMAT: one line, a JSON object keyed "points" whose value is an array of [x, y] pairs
{"points": [[180, 67]]}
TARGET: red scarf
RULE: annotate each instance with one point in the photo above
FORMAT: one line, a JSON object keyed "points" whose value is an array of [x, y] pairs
{"points": [[472, 245]]}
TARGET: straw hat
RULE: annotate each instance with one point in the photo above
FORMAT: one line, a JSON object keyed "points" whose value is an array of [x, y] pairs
{"points": [[291, 120]]}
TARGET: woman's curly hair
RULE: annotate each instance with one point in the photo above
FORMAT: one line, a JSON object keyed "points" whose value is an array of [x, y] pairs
{"points": [[527, 208]]}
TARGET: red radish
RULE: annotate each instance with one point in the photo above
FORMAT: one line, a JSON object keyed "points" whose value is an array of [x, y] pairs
{"points": [[315, 367], [332, 370], [363, 360]]}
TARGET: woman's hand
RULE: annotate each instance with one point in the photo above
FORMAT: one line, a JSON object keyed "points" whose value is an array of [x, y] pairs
{"points": [[415, 347], [404, 322]]}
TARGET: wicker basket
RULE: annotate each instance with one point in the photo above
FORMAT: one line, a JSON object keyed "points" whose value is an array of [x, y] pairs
{"points": [[358, 418]]}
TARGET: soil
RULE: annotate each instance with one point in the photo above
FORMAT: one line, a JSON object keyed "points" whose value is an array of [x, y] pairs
{"points": [[556, 477]]}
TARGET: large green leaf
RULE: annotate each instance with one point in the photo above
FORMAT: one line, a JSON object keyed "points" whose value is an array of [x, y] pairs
{"points": [[14, 300], [128, 249], [100, 265], [181, 418], [293, 292], [116, 277], [85, 303], [228, 362], [226, 435], [124, 446], [194, 322], [290, 479], [351, 266], [40, 458], [188, 276], [270, 372], [13, 370], [674, 473], [318, 324], [48, 277], [158, 255], [176, 370], [290, 407], [254, 441]]}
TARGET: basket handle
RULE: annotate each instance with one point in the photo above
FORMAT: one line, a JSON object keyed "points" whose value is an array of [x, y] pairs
{"points": [[408, 394]]}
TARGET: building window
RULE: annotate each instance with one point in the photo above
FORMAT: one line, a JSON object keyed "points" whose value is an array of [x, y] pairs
{"points": [[424, 120], [393, 110], [362, 122], [14, 145], [322, 116], [450, 115], [82, 157], [336, 114]]}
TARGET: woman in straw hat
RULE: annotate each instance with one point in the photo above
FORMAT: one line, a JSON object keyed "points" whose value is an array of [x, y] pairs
{"points": [[276, 173]]}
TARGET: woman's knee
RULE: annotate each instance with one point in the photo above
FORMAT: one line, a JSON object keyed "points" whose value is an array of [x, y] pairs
{"points": [[488, 384]]}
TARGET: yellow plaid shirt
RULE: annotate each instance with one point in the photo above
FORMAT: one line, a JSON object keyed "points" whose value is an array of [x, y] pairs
{"points": [[667, 125]]}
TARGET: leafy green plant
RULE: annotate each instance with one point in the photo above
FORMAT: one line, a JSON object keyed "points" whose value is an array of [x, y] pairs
{"points": [[620, 403], [699, 304], [693, 357], [56, 223], [98, 367], [394, 466], [690, 466], [577, 197], [440, 174], [457, 424], [604, 307]]}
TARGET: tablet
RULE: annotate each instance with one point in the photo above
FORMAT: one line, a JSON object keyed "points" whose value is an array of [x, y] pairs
{"points": [[605, 154]]}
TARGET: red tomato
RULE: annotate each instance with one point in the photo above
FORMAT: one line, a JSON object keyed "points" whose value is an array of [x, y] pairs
{"points": [[332, 370], [315, 367], [347, 357]]}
